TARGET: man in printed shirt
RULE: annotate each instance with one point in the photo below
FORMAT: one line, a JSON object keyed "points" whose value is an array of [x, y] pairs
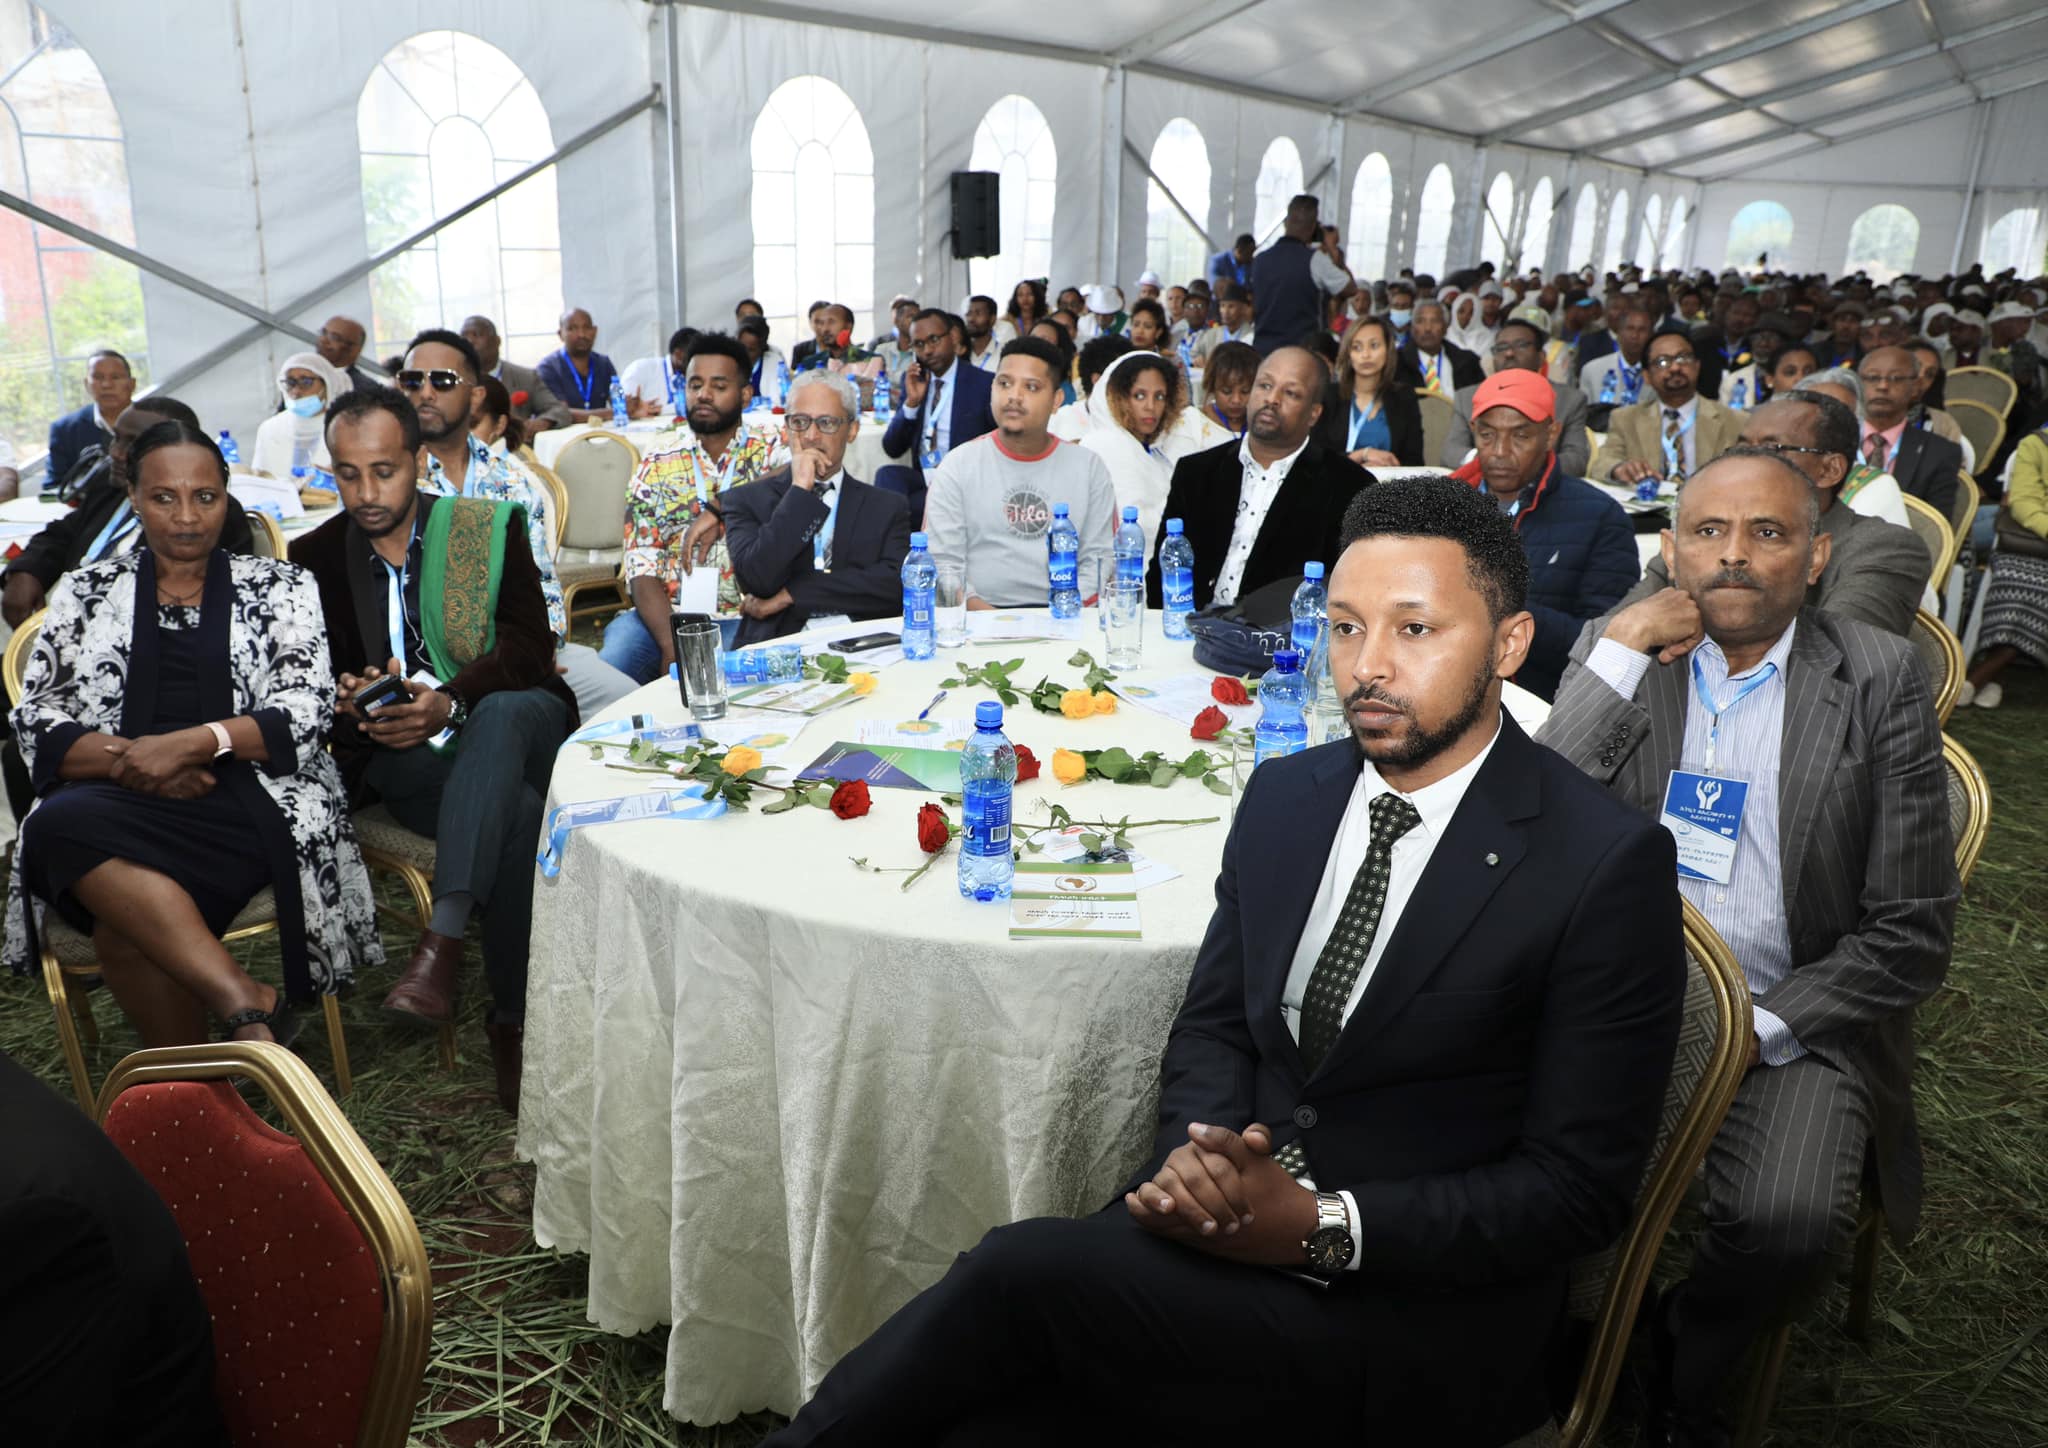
{"points": [[442, 377], [719, 451]]}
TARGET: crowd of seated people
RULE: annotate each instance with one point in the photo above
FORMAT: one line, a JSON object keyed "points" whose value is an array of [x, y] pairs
{"points": [[1275, 407]]}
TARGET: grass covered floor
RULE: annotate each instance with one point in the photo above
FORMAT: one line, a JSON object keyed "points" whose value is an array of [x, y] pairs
{"points": [[1958, 1356]]}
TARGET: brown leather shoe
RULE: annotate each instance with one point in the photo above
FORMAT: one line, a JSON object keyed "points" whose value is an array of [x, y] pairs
{"points": [[508, 1059], [432, 981]]}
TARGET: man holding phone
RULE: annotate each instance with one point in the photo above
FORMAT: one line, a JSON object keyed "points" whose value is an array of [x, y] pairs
{"points": [[448, 705], [944, 406]]}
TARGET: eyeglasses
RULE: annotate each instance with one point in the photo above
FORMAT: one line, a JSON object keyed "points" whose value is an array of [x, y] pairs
{"points": [[825, 426], [300, 382], [1665, 364], [1502, 349], [1889, 379], [1781, 448], [441, 379]]}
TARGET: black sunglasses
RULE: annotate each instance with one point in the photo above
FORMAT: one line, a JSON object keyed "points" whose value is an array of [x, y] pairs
{"points": [[442, 380]]}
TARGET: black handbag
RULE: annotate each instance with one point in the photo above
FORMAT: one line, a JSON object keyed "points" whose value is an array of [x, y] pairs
{"points": [[1239, 638], [2015, 538]]}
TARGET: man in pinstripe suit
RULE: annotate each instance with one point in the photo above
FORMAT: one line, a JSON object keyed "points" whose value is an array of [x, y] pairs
{"points": [[1838, 900]]}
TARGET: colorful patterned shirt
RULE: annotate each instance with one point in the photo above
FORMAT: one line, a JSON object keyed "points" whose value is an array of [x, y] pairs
{"points": [[502, 479], [669, 491]]}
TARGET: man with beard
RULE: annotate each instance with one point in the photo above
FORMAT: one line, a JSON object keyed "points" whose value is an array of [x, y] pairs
{"points": [[669, 493], [980, 320], [463, 757], [1799, 753], [443, 375], [1416, 1073], [542, 409], [1672, 434], [577, 372]]}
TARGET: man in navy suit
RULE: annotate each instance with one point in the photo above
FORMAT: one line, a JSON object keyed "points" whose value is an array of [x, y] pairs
{"points": [[944, 405], [811, 542], [110, 382], [1418, 1071]]}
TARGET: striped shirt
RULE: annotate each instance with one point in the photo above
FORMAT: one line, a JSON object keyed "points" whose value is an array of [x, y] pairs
{"points": [[1748, 911]]}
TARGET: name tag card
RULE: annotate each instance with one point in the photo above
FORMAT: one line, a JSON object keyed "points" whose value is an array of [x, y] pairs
{"points": [[1704, 814]]}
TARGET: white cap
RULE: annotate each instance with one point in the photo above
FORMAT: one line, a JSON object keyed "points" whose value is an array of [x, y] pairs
{"points": [[2011, 312], [1969, 317], [1148, 278], [1102, 300]]}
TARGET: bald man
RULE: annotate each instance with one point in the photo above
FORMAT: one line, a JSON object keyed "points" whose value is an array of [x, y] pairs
{"points": [[1258, 508], [1926, 464], [341, 344], [577, 372], [542, 409]]}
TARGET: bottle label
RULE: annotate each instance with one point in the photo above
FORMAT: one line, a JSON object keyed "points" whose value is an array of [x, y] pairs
{"points": [[917, 608], [1064, 570], [1177, 585], [1129, 569], [985, 817], [1304, 638]]}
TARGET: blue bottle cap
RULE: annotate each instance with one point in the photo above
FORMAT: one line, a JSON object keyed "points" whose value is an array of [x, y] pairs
{"points": [[988, 714], [1287, 661], [1059, 510], [1130, 515], [1311, 569], [1175, 526], [919, 540]]}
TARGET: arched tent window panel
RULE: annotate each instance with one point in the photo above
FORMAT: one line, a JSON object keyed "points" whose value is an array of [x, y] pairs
{"points": [[1674, 237], [1758, 229], [1433, 221], [1372, 208], [809, 142], [443, 118], [1882, 242], [1652, 233], [1014, 141], [1279, 183], [1617, 233], [1499, 218], [61, 147], [1585, 228], [1536, 228], [2014, 240], [1180, 158]]}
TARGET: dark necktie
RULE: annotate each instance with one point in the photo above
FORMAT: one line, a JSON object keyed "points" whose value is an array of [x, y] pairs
{"points": [[1874, 450], [1674, 444]]}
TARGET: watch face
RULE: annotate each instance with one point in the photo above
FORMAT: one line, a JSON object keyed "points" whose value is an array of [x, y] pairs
{"points": [[1329, 1251]]}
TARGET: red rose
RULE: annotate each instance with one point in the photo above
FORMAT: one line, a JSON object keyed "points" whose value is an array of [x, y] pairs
{"points": [[932, 829], [844, 339], [1209, 723], [1226, 690], [521, 398], [1027, 764], [850, 800]]}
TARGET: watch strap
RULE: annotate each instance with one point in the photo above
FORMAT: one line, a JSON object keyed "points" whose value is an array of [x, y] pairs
{"points": [[222, 744]]}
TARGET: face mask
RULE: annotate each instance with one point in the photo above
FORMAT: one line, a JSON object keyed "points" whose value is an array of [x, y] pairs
{"points": [[1399, 316], [310, 406]]}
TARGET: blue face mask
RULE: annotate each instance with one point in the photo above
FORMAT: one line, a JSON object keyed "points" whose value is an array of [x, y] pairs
{"points": [[309, 406], [1399, 316]]}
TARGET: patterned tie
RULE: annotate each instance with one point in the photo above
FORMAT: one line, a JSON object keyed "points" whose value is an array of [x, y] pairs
{"points": [[1674, 444], [1873, 450]]}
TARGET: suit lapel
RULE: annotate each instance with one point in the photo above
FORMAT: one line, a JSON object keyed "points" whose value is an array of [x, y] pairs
{"points": [[1816, 717], [847, 516]]}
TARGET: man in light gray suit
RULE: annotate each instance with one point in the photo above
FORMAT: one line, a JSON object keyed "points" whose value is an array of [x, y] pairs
{"points": [[542, 409], [1723, 700], [1520, 344]]}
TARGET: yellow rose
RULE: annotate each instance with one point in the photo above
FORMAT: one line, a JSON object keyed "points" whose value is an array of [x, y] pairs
{"points": [[741, 759], [1068, 767], [863, 684], [1105, 702], [1077, 703]]}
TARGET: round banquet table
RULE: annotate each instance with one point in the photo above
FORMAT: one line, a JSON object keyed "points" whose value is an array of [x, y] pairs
{"points": [[772, 1096]]}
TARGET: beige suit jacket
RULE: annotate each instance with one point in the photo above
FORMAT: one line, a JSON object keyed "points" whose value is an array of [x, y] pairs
{"points": [[1637, 434]]}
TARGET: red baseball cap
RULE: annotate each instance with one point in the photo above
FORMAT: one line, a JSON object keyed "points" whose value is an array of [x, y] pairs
{"points": [[1528, 393]]}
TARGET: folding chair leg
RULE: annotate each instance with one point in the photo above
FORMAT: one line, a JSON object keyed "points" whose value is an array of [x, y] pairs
{"points": [[447, 1048], [81, 1011], [1763, 1392], [337, 1046], [67, 1031], [1863, 1276]]}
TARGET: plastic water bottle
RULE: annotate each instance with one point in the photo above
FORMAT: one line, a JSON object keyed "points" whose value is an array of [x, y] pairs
{"points": [[1063, 565], [1738, 398], [920, 586], [618, 396], [1327, 719], [675, 393], [1176, 580], [1607, 386], [228, 449], [988, 773], [882, 395], [782, 382], [1283, 700], [1130, 549], [767, 664], [1311, 604]]}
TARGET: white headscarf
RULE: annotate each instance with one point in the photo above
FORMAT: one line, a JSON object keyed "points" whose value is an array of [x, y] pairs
{"points": [[279, 438], [1142, 475], [1475, 335]]}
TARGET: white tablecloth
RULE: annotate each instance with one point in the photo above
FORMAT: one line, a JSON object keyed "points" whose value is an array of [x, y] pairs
{"points": [[863, 455], [772, 1096]]}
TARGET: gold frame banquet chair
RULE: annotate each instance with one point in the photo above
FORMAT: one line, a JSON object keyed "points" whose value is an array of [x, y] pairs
{"points": [[284, 1283], [267, 536], [1437, 416], [67, 954], [558, 504], [1934, 531], [1941, 653], [389, 847], [1984, 387], [1607, 1288], [590, 470], [1982, 424]]}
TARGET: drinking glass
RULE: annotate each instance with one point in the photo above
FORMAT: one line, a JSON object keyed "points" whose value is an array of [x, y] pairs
{"points": [[949, 606], [1123, 621], [699, 669]]}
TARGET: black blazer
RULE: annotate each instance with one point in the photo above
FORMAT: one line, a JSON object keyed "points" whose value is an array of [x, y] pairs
{"points": [[971, 418], [1466, 368], [1492, 1101], [1404, 421], [1929, 467], [71, 435], [61, 547], [768, 530], [1306, 520]]}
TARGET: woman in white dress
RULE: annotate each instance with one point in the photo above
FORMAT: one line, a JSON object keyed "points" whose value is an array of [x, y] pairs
{"points": [[1140, 425], [295, 437]]}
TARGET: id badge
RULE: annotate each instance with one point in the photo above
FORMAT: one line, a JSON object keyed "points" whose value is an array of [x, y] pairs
{"points": [[1704, 814]]}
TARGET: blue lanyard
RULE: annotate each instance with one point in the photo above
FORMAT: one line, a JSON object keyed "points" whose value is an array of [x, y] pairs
{"points": [[583, 384], [1359, 420], [1631, 380], [1750, 685], [394, 620], [118, 527]]}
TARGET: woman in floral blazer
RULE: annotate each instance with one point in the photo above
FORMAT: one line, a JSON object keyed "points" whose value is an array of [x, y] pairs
{"points": [[173, 717]]}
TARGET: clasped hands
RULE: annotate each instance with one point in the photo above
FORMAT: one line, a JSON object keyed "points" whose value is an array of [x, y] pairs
{"points": [[1224, 1194], [396, 726], [173, 766]]}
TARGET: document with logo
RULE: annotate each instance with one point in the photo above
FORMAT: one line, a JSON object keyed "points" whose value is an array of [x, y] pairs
{"points": [[1704, 814], [1051, 899]]}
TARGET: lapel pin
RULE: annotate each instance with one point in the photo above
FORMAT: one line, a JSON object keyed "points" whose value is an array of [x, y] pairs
{"points": [[1491, 858]]}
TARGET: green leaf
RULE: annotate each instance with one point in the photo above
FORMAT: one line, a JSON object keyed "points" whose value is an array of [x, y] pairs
{"points": [[1195, 765], [1164, 774], [788, 801], [1214, 785], [1061, 816], [1091, 842], [1113, 763], [597, 751], [1082, 659]]}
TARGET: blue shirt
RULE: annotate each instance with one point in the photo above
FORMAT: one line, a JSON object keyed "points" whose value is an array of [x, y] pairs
{"points": [[1371, 431], [580, 392]]}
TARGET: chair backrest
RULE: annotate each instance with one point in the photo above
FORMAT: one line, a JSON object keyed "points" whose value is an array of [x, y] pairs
{"points": [[266, 535], [309, 1263], [595, 470], [1437, 417], [1983, 425], [1985, 386], [1713, 1050], [14, 663], [1934, 532], [1969, 805], [1962, 513], [558, 503], [1942, 655]]}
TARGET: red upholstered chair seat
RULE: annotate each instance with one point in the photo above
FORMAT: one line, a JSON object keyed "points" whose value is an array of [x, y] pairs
{"points": [[293, 1288]]}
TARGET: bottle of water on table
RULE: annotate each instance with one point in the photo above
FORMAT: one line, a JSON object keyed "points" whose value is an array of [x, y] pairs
{"points": [[1063, 565], [1310, 606], [1123, 611], [1283, 698], [1176, 580], [782, 382], [920, 586], [988, 772], [882, 395], [618, 399], [1738, 395], [228, 449], [1327, 718]]}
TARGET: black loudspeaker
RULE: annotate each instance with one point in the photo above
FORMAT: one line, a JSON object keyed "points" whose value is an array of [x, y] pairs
{"points": [[977, 213]]}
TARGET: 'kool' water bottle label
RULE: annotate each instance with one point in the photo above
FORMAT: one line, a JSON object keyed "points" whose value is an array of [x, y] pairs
{"points": [[1178, 586], [1065, 570]]}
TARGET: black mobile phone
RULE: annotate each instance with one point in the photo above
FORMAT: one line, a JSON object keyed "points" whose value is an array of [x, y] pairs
{"points": [[382, 693], [866, 642]]}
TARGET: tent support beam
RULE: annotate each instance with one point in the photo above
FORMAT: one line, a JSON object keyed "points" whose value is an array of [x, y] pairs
{"points": [[1191, 23], [1500, 45], [1980, 128], [268, 322], [1188, 216]]}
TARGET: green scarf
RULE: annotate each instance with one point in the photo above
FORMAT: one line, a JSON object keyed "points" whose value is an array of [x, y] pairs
{"points": [[462, 560], [1853, 484]]}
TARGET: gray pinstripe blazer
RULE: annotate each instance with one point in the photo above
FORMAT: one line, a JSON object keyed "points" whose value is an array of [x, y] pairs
{"points": [[1863, 834]]}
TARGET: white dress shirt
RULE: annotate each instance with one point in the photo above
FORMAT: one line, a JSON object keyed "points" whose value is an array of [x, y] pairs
{"points": [[827, 492], [1254, 500], [649, 379], [938, 422], [1436, 804]]}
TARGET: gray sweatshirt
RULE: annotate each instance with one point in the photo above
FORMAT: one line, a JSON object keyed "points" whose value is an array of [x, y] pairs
{"points": [[990, 511]]}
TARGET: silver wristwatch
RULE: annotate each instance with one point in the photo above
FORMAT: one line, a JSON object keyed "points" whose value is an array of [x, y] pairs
{"points": [[1329, 1246]]}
